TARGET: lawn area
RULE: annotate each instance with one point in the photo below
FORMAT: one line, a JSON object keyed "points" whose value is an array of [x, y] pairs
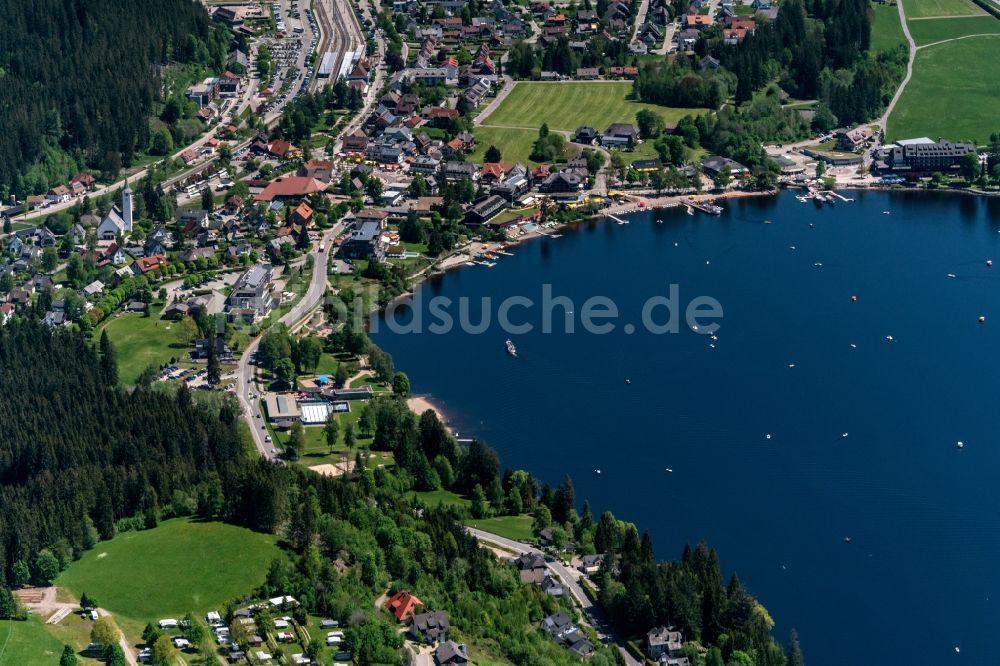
{"points": [[446, 497], [887, 33], [931, 31], [917, 9], [573, 104], [177, 567], [74, 630], [514, 144], [517, 528], [937, 103], [513, 214], [27, 643], [143, 341]]}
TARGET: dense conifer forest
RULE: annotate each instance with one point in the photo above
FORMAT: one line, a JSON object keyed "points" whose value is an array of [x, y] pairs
{"points": [[80, 79]]}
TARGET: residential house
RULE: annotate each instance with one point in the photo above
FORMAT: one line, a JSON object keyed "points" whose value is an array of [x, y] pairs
{"points": [[621, 136], [355, 142], [460, 171], [567, 634], [709, 63], [196, 253], [450, 653], [852, 140], [686, 39], [58, 194], [252, 292], [590, 564], [562, 181], [94, 289], [588, 73], [402, 605], [302, 215], [429, 627], [145, 265], [711, 166], [365, 240], [191, 219], [664, 644], [585, 135], [321, 170]]}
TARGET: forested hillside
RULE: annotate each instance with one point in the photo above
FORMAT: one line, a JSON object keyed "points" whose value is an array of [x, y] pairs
{"points": [[82, 459], [77, 453], [80, 78]]}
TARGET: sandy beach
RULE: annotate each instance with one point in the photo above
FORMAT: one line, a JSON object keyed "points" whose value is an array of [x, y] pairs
{"points": [[420, 404]]}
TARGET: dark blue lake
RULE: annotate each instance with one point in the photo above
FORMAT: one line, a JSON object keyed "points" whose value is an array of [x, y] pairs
{"points": [[920, 575]]}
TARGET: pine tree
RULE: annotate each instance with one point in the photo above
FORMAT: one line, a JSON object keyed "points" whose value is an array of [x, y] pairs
{"points": [[214, 370], [795, 651], [109, 361], [331, 431], [68, 657]]}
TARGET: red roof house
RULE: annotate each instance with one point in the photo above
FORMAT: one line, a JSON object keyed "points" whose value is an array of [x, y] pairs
{"points": [[402, 605]]}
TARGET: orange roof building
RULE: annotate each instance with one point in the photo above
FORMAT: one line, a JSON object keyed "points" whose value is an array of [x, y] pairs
{"points": [[288, 187], [698, 21], [403, 605], [303, 214], [147, 264]]}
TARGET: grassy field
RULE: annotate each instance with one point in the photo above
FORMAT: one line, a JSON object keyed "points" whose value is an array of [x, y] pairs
{"points": [[514, 144], [74, 630], [937, 103], [446, 497], [918, 9], [177, 567], [931, 31], [517, 528], [27, 643], [569, 105], [143, 341], [887, 33]]}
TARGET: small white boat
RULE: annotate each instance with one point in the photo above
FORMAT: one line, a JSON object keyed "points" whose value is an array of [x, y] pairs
{"points": [[767, 436], [952, 275], [960, 445], [844, 434], [511, 349], [668, 470]]}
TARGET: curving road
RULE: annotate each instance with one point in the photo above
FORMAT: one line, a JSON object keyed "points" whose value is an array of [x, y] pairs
{"points": [[570, 578], [245, 372], [909, 67]]}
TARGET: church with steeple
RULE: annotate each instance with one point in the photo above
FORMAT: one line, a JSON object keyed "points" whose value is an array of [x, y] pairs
{"points": [[118, 222]]}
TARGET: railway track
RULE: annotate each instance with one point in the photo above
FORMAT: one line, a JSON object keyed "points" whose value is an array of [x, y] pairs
{"points": [[339, 33]]}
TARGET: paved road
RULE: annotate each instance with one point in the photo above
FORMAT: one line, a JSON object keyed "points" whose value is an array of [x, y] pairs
{"points": [[508, 86], [909, 67], [248, 90], [244, 371], [570, 578], [640, 18]]}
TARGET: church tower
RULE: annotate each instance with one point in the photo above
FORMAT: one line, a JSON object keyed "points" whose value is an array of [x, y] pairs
{"points": [[127, 208]]}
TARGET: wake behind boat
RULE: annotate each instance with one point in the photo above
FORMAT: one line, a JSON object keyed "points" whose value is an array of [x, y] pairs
{"points": [[511, 349]]}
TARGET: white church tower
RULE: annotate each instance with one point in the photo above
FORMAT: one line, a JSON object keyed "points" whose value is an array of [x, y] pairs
{"points": [[127, 208]]}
